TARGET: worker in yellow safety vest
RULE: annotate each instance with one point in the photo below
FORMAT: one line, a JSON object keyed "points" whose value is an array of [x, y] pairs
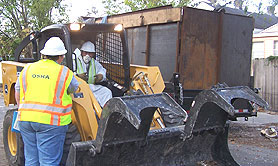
{"points": [[43, 94]]}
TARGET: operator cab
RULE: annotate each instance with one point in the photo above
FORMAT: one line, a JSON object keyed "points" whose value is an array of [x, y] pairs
{"points": [[110, 45]]}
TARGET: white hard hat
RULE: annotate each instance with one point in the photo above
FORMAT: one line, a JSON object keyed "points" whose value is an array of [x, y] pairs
{"points": [[53, 47], [88, 47]]}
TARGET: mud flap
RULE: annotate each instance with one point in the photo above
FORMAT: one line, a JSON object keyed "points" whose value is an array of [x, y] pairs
{"points": [[124, 137]]}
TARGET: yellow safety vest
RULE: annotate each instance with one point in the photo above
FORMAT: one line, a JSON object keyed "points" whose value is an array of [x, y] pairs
{"points": [[43, 93], [91, 72]]}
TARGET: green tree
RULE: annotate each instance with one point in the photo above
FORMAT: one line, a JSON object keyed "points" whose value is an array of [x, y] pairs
{"points": [[115, 7], [273, 5], [19, 17]]}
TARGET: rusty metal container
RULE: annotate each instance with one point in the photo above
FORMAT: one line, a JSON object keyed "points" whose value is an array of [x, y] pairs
{"points": [[205, 47]]}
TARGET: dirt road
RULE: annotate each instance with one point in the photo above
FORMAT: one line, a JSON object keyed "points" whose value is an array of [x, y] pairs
{"points": [[249, 148], [246, 144]]}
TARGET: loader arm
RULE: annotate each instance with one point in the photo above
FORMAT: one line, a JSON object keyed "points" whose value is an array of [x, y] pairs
{"points": [[85, 111], [147, 79]]}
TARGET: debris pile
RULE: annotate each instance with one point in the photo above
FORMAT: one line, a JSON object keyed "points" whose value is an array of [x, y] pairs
{"points": [[270, 132]]}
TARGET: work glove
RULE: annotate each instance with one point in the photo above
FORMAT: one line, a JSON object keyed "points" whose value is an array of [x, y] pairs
{"points": [[83, 76], [98, 78]]}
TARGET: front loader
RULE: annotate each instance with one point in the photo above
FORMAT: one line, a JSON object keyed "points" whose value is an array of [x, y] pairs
{"points": [[140, 125]]}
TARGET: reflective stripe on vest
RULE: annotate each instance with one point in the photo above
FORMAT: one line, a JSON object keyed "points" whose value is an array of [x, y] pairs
{"points": [[80, 69], [92, 72], [55, 112], [24, 81], [45, 108], [55, 119], [60, 85]]}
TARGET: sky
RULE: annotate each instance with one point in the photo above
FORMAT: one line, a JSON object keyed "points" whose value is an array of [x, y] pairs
{"points": [[79, 8]]}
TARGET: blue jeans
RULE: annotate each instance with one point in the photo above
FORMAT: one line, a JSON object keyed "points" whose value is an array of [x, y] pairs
{"points": [[43, 144]]}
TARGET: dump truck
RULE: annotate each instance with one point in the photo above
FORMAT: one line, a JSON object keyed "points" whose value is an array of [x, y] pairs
{"points": [[141, 124]]}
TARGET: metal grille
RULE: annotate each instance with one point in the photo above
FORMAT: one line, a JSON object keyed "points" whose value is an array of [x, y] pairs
{"points": [[109, 52]]}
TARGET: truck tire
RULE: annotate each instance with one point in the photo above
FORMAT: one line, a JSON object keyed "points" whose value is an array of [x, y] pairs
{"points": [[13, 144], [71, 136]]}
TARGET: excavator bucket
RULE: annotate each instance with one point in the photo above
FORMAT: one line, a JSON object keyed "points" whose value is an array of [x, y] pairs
{"points": [[124, 136]]}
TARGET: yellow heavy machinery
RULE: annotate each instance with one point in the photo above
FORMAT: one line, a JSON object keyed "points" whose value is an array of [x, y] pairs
{"points": [[140, 125]]}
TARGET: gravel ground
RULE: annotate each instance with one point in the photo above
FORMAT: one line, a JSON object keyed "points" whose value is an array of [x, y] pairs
{"points": [[250, 135], [249, 148]]}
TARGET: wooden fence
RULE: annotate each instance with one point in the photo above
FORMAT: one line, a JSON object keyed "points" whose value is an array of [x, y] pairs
{"points": [[266, 79]]}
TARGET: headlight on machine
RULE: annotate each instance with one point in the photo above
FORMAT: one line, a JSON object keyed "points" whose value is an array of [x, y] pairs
{"points": [[118, 27], [75, 26]]}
